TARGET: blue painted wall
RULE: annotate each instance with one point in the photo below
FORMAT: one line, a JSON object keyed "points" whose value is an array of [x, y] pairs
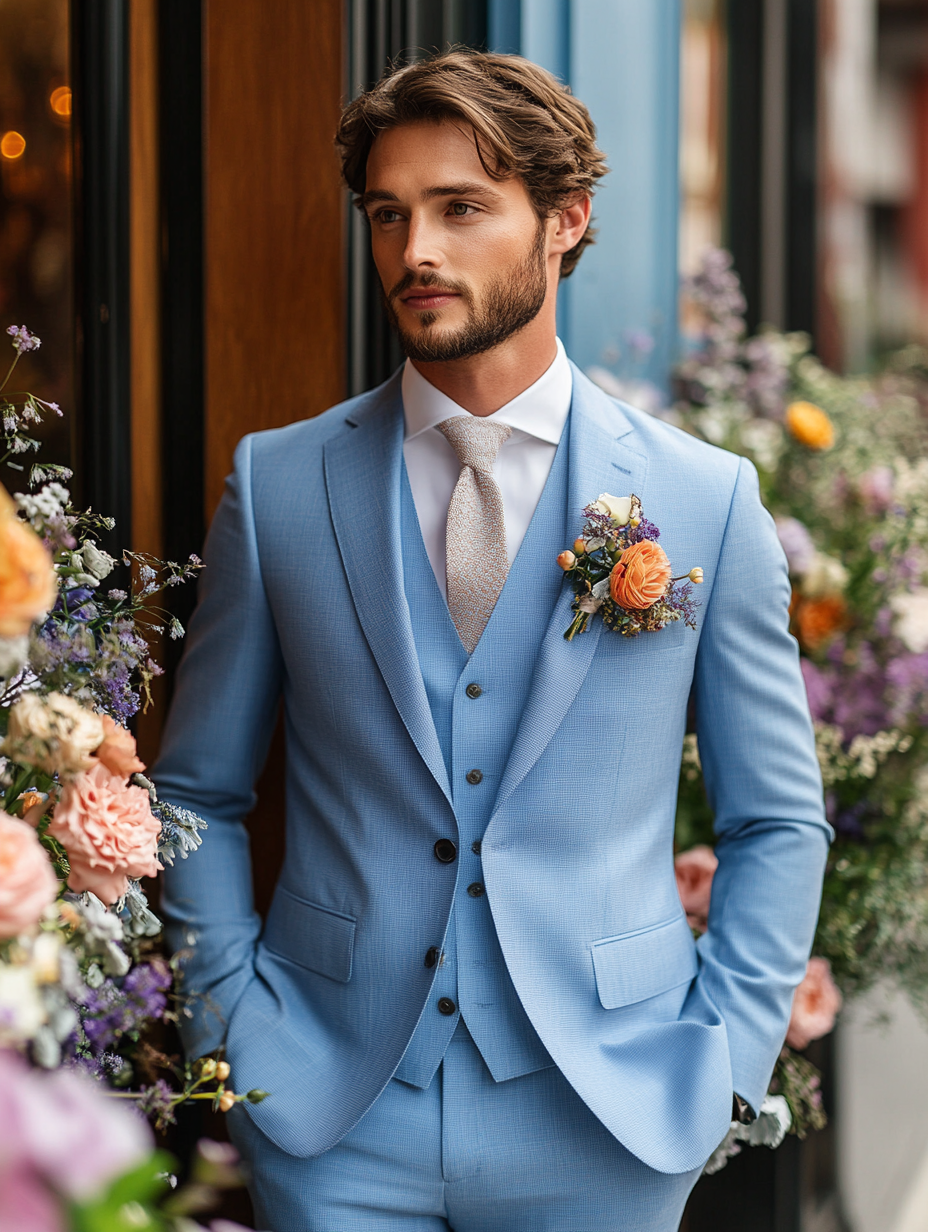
{"points": [[622, 58]]}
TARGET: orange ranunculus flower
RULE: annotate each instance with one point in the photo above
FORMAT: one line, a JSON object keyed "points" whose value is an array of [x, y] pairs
{"points": [[810, 425], [818, 620], [27, 579], [640, 578]]}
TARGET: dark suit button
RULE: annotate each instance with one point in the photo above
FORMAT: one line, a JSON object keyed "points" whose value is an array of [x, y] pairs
{"points": [[446, 1006], [431, 956], [473, 690], [445, 850], [474, 777], [475, 890], [475, 846]]}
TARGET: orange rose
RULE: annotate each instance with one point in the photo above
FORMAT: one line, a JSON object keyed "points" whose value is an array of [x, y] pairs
{"points": [[109, 833], [117, 752], [818, 620], [27, 579], [641, 576], [815, 1005]]}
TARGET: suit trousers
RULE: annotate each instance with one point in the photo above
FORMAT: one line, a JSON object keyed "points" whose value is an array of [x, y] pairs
{"points": [[467, 1154]]}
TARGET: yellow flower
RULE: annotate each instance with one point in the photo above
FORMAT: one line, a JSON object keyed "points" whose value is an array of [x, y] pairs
{"points": [[696, 575], [810, 425]]}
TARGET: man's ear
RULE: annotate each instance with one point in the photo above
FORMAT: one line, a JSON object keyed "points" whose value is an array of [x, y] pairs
{"points": [[569, 226]]}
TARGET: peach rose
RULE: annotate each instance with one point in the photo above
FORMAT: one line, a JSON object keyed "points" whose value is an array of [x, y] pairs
{"points": [[109, 832], [27, 882], [815, 1005], [28, 586], [695, 869], [117, 752], [640, 578]]}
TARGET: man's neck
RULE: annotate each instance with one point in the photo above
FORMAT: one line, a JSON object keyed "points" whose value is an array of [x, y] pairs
{"points": [[483, 383]]}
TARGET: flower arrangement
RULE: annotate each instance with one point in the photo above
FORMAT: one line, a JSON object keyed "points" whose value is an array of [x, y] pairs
{"points": [[843, 467], [620, 570], [81, 979]]}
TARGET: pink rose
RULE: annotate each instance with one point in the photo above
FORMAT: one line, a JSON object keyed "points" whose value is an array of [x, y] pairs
{"points": [[27, 882], [27, 1202], [109, 832], [815, 1005], [60, 1129], [695, 869], [117, 752]]}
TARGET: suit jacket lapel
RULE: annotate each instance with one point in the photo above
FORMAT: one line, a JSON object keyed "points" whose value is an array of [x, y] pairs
{"points": [[602, 458], [363, 467]]}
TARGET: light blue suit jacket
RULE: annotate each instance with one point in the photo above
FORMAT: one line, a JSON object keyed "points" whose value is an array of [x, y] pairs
{"points": [[303, 599]]}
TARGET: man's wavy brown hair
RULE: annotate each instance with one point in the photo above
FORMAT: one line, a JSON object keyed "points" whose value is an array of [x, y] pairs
{"points": [[525, 124]]}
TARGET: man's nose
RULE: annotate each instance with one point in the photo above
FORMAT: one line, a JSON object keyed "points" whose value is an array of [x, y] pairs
{"points": [[422, 244]]}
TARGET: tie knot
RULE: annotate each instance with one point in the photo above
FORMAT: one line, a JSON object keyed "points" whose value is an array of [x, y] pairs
{"points": [[476, 441]]}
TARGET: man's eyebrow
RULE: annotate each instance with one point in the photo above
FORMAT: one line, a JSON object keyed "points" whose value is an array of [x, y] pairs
{"points": [[468, 188]]}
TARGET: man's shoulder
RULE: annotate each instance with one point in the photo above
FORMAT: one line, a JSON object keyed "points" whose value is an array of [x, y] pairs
{"points": [[301, 440], [676, 451]]}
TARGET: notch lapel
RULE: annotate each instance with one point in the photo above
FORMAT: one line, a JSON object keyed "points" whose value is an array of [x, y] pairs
{"points": [[602, 458], [363, 468]]}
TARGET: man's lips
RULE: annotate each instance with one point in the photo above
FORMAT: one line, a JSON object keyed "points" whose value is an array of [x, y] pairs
{"points": [[428, 300]]}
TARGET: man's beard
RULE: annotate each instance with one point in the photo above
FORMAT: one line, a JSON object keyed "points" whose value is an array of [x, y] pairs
{"points": [[508, 305]]}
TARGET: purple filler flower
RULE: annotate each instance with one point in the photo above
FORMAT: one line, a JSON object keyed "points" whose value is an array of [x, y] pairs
{"points": [[797, 543], [23, 340]]}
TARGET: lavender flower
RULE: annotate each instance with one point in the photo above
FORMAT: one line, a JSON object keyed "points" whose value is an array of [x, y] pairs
{"points": [[23, 340]]}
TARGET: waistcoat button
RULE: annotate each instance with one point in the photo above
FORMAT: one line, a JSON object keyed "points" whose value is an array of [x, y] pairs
{"points": [[431, 956], [473, 690], [475, 847], [446, 1006], [445, 850], [475, 890], [474, 777]]}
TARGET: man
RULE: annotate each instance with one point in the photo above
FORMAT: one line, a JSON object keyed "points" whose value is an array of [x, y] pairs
{"points": [[476, 1001]]}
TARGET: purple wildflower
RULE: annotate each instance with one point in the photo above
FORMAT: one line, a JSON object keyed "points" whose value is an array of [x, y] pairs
{"points": [[23, 340], [158, 1102], [644, 530], [797, 543]]}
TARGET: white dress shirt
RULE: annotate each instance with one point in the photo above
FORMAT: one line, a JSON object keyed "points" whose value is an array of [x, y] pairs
{"points": [[537, 417]]}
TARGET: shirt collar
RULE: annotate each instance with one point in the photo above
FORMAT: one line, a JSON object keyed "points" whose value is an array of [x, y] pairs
{"points": [[540, 411]]}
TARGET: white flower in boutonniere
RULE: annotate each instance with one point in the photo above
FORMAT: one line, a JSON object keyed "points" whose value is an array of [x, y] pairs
{"points": [[620, 570]]}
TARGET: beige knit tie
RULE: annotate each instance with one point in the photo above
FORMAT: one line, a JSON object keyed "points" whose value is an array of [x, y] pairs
{"points": [[475, 540]]}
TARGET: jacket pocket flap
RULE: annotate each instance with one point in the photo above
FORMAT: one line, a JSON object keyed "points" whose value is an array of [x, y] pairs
{"points": [[311, 936], [638, 965]]}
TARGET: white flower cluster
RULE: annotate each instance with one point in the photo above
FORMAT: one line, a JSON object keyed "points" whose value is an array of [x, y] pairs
{"points": [[862, 759], [45, 504], [769, 1129]]}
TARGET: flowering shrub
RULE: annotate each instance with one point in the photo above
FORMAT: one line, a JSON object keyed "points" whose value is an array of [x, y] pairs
{"points": [[843, 466], [81, 980]]}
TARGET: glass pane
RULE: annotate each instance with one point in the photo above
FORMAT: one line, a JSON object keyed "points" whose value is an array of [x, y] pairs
{"points": [[35, 208]]}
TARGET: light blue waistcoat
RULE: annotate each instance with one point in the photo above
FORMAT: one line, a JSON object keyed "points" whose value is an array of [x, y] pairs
{"points": [[477, 733]]}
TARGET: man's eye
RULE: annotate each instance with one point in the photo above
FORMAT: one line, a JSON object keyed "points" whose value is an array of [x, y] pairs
{"points": [[460, 209], [387, 216]]}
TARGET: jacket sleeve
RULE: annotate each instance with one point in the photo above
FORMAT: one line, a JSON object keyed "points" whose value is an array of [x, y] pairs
{"points": [[762, 778], [215, 743]]}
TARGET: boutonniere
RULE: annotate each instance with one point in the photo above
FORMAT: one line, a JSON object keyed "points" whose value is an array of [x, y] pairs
{"points": [[620, 570]]}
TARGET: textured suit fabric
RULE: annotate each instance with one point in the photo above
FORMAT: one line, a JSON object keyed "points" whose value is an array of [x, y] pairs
{"points": [[303, 599], [479, 732], [470, 1154]]}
